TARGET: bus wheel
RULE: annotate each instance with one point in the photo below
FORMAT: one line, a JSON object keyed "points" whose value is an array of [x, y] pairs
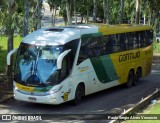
{"points": [[138, 74], [78, 95], [130, 79]]}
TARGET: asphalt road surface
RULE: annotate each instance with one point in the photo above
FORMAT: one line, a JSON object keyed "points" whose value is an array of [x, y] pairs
{"points": [[113, 100]]}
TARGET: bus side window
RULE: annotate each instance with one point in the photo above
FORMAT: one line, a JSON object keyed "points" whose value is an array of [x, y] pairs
{"points": [[96, 46], [82, 55], [143, 39], [127, 41], [117, 43], [131, 39], [109, 45], [139, 39], [123, 42], [99, 45], [104, 42], [135, 40], [84, 51], [150, 37]]}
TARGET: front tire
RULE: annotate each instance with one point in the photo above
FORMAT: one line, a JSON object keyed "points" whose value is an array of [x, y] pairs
{"points": [[78, 95]]}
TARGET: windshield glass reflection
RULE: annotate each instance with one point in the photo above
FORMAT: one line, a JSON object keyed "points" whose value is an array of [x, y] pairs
{"points": [[36, 65]]}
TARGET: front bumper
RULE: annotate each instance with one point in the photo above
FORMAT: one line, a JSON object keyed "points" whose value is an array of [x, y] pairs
{"points": [[47, 99]]}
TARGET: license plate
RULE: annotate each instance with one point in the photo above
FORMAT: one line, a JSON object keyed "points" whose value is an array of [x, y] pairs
{"points": [[32, 98]]}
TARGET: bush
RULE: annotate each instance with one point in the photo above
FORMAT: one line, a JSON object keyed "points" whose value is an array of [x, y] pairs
{"points": [[156, 47]]}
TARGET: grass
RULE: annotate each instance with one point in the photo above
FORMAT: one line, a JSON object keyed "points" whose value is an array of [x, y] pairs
{"points": [[151, 111], [3, 50]]}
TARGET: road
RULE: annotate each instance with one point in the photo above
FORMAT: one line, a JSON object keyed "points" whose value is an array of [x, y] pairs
{"points": [[47, 18], [109, 101]]}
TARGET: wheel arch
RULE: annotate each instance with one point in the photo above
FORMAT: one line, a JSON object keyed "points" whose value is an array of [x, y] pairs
{"points": [[140, 68], [82, 84]]}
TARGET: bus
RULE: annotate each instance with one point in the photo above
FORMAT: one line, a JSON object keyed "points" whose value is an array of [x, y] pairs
{"points": [[60, 64]]}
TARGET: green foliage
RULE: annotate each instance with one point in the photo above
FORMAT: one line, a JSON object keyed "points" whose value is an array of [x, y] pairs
{"points": [[3, 50], [153, 109], [156, 47]]}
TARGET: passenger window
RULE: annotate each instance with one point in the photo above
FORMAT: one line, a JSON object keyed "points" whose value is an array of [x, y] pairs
{"points": [[150, 37]]}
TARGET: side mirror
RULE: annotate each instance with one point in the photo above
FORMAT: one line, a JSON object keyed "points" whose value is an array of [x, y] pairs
{"points": [[60, 58], [9, 56]]}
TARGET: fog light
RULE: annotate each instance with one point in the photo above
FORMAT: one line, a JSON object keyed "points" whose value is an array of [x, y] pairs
{"points": [[53, 99]]}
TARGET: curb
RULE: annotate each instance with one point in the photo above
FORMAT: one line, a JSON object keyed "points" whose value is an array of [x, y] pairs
{"points": [[139, 106], [7, 92], [7, 97]]}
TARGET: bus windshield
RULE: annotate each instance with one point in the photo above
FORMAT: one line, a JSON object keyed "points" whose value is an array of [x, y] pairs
{"points": [[36, 65]]}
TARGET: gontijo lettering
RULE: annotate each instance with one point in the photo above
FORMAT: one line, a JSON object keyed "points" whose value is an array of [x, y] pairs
{"points": [[129, 56]]}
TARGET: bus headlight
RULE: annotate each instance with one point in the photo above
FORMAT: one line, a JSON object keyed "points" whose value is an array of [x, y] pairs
{"points": [[53, 91], [15, 88]]}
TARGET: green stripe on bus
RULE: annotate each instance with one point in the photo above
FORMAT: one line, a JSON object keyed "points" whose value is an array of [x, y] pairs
{"points": [[42, 89], [104, 69]]}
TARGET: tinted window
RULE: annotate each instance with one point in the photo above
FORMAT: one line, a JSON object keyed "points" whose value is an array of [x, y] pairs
{"points": [[91, 46], [94, 46], [68, 60]]}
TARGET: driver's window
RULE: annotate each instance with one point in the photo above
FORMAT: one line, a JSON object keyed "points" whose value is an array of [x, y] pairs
{"points": [[64, 69]]}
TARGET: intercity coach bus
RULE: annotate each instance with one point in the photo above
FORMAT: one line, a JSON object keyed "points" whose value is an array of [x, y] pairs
{"points": [[60, 64]]}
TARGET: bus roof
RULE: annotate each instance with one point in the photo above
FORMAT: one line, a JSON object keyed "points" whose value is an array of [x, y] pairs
{"points": [[63, 34], [121, 28], [59, 35]]}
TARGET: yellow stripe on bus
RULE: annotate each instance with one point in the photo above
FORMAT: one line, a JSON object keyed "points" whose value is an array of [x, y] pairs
{"points": [[25, 88]]}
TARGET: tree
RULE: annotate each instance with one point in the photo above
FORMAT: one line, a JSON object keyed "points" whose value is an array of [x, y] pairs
{"points": [[94, 10], [88, 7], [54, 4], [39, 7], [107, 9], [121, 11], [137, 16], [68, 10], [26, 18], [154, 13], [104, 11], [10, 31], [75, 11]]}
